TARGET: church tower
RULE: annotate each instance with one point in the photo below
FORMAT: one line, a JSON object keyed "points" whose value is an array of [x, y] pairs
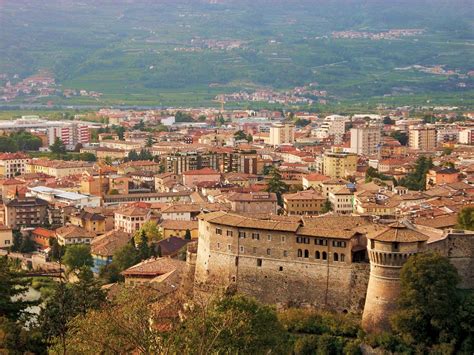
{"points": [[388, 251]]}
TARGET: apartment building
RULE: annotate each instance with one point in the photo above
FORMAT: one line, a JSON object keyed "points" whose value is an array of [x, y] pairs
{"points": [[337, 164], [308, 202], [422, 138], [25, 212], [12, 164], [365, 140], [282, 134]]}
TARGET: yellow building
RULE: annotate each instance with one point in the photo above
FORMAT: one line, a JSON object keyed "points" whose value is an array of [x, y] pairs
{"points": [[173, 228], [6, 237], [339, 165], [58, 168], [306, 202], [91, 222]]}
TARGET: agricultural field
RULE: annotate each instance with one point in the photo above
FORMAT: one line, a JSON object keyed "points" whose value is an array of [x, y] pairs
{"points": [[184, 53]]}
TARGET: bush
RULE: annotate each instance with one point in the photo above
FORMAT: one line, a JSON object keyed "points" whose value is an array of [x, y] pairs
{"points": [[306, 345]]}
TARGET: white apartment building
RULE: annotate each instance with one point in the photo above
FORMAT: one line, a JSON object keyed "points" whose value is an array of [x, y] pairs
{"points": [[130, 219], [466, 136], [282, 134], [365, 140]]}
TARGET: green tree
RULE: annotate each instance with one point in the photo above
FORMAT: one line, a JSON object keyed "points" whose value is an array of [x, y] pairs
{"points": [[429, 300], [327, 207], [149, 141], [230, 325], [8, 145], [151, 230], [133, 155], [240, 135], [110, 273], [58, 148], [87, 292], [277, 185], [466, 218], [17, 240], [13, 285], [402, 137], [187, 235], [143, 248], [27, 245], [125, 257], [77, 256], [56, 251], [416, 180]]}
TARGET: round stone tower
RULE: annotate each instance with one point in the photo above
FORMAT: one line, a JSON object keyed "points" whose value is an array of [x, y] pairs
{"points": [[388, 250]]}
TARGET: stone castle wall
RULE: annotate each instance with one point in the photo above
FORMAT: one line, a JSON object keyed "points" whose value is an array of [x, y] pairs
{"points": [[285, 282]]}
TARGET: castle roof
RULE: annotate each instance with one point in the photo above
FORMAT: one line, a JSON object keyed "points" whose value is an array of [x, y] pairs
{"points": [[401, 231]]}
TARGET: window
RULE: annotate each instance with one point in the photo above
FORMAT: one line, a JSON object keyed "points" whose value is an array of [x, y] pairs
{"points": [[280, 268], [336, 257], [325, 255], [241, 249], [306, 253], [254, 250], [299, 240], [259, 262], [395, 246], [236, 261], [256, 236], [218, 231], [300, 253], [343, 257], [218, 245], [228, 247], [283, 239], [317, 255], [269, 238], [241, 234], [339, 244], [285, 253], [269, 251], [230, 233]]}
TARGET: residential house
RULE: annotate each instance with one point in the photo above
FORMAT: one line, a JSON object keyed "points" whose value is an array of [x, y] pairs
{"points": [[307, 202], [71, 234], [131, 219], [105, 246], [25, 212]]}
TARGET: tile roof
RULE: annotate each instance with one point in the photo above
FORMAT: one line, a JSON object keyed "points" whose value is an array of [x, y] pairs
{"points": [[74, 232], [107, 244], [154, 267], [403, 232]]}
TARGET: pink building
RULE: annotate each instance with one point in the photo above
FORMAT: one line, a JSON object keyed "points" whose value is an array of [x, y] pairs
{"points": [[193, 177]]}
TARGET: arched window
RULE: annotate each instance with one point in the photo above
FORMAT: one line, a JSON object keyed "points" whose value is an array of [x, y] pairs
{"points": [[317, 255], [336, 257], [300, 253], [306, 253], [325, 255], [343, 257]]}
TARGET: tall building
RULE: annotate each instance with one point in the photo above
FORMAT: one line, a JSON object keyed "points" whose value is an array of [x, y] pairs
{"points": [[25, 212], [282, 134], [337, 164], [422, 138], [365, 140], [70, 134], [388, 250]]}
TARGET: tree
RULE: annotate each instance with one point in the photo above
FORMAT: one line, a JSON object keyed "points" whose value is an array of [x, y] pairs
{"points": [[402, 137], [143, 248], [428, 301], [56, 251], [327, 207], [183, 117], [13, 286], [110, 273], [387, 120], [17, 240], [416, 180], [231, 325], [240, 135], [125, 257], [77, 256], [119, 130], [150, 228], [132, 155], [87, 291], [27, 245], [277, 185], [8, 145], [187, 235], [466, 218], [58, 148], [149, 142]]}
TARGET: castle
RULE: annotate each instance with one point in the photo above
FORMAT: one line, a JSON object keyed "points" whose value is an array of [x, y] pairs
{"points": [[320, 262]]}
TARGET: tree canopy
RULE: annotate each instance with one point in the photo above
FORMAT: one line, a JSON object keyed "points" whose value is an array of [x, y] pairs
{"points": [[466, 218], [77, 256]]}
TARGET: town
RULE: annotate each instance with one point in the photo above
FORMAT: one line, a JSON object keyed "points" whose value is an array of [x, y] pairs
{"points": [[244, 199]]}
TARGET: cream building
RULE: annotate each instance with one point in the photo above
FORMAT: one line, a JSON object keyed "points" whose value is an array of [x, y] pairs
{"points": [[422, 138], [12, 164], [338, 164], [6, 237], [131, 219], [282, 134], [365, 140]]}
